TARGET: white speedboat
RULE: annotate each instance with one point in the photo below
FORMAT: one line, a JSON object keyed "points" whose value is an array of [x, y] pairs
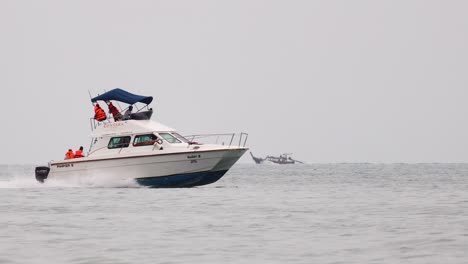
{"points": [[148, 152]]}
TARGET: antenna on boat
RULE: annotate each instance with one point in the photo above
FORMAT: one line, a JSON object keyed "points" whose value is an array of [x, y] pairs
{"points": [[91, 120], [90, 98]]}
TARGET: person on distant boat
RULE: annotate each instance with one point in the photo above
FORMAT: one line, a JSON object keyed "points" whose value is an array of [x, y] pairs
{"points": [[79, 153], [99, 114], [69, 154], [115, 112], [128, 113]]}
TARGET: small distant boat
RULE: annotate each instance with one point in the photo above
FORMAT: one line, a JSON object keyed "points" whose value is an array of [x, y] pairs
{"points": [[257, 160], [284, 158]]}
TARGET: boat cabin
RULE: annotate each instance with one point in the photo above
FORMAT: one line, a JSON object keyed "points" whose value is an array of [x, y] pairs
{"points": [[135, 136]]}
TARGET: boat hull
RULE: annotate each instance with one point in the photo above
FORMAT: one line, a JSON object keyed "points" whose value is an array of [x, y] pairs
{"points": [[182, 180], [174, 170]]}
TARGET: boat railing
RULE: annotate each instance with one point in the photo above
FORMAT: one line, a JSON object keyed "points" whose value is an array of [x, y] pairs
{"points": [[228, 139], [94, 123]]}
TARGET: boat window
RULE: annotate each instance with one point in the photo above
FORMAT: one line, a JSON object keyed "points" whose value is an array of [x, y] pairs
{"points": [[169, 138], [144, 140], [119, 142], [180, 137]]}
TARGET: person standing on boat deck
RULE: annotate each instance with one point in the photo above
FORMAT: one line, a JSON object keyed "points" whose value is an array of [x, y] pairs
{"points": [[69, 154], [99, 114], [79, 153], [128, 113], [115, 112]]}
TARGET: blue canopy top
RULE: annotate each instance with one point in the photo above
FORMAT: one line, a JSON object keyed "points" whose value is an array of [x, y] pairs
{"points": [[123, 96]]}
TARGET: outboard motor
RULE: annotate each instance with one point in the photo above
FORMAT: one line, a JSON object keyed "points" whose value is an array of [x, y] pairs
{"points": [[42, 173]]}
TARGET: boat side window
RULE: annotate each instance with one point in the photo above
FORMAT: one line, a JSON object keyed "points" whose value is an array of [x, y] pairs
{"points": [[144, 140], [180, 137], [119, 142], [169, 138]]}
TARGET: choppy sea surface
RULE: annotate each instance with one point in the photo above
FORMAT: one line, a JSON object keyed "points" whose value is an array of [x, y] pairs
{"points": [[316, 213]]}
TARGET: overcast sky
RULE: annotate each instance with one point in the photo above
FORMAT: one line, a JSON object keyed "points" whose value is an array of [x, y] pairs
{"points": [[330, 81]]}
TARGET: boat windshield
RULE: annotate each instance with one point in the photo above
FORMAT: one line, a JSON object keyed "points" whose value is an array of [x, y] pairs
{"points": [[169, 138], [180, 137]]}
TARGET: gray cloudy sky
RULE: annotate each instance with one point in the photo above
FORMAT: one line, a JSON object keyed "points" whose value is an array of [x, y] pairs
{"points": [[330, 81]]}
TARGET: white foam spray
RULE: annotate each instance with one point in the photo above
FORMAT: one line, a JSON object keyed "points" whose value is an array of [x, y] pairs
{"points": [[17, 177]]}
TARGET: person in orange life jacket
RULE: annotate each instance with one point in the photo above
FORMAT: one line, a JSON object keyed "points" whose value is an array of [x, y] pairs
{"points": [[69, 154], [99, 114], [79, 153], [115, 112]]}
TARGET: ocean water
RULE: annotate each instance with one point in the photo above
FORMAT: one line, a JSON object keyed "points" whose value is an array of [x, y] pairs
{"points": [[317, 213]]}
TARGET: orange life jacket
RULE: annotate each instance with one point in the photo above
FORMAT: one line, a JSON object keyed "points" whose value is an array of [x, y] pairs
{"points": [[100, 115], [112, 109], [69, 155], [115, 112], [79, 154]]}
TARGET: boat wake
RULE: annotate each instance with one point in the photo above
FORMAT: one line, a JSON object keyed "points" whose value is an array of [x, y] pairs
{"points": [[95, 181]]}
